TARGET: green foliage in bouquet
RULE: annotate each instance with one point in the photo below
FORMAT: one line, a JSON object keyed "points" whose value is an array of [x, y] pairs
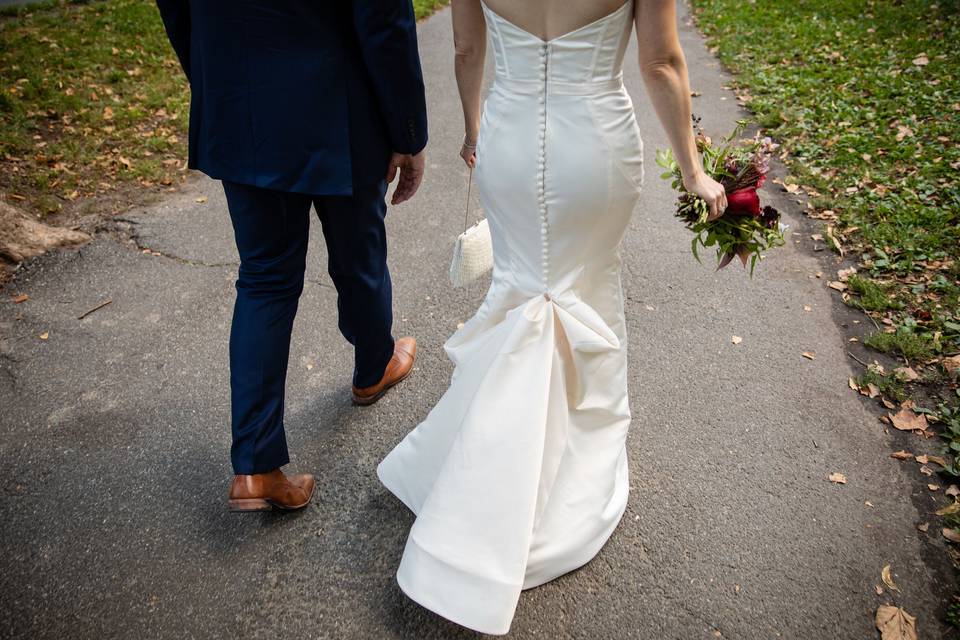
{"points": [[745, 230]]}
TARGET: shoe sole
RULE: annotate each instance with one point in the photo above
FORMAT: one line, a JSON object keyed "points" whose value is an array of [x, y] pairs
{"points": [[252, 505], [367, 401]]}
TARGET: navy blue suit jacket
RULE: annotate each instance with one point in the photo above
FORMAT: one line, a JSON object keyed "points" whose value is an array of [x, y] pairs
{"points": [[307, 96]]}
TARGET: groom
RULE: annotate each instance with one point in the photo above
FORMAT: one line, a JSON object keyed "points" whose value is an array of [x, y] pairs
{"points": [[297, 103]]}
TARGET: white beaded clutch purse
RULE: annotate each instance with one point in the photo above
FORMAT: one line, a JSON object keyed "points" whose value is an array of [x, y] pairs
{"points": [[473, 251]]}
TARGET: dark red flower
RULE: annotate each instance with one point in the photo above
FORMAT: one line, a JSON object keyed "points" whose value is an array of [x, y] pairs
{"points": [[743, 202], [770, 217]]}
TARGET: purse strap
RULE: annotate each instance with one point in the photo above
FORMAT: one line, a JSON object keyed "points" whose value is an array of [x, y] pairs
{"points": [[466, 208]]}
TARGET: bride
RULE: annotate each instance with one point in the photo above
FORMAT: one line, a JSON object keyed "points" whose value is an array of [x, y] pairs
{"points": [[519, 474]]}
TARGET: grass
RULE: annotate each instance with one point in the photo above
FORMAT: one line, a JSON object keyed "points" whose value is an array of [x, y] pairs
{"points": [[872, 296], [888, 384], [865, 98], [912, 346], [423, 8], [92, 98]]}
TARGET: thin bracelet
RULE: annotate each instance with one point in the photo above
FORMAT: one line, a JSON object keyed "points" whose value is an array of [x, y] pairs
{"points": [[471, 147]]}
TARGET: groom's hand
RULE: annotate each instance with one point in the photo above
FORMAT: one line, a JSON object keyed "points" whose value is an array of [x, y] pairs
{"points": [[411, 173]]}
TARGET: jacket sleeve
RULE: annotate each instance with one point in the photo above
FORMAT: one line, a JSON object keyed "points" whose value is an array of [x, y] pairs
{"points": [[176, 20], [387, 33]]}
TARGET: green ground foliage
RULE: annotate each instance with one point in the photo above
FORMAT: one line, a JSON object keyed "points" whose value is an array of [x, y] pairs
{"points": [[864, 95], [91, 99], [91, 96]]}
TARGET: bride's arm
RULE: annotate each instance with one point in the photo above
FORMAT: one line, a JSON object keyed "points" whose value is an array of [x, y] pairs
{"points": [[664, 71], [470, 43]]}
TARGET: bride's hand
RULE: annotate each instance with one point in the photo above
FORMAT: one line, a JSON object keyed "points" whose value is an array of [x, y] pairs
{"points": [[468, 152], [711, 191]]}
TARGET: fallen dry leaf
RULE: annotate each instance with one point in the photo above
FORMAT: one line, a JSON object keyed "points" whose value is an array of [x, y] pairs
{"points": [[908, 420], [200, 200], [925, 470], [923, 526], [20, 298], [809, 355], [44, 335], [894, 623], [901, 455], [934, 459], [907, 374], [873, 390], [844, 274], [837, 478], [887, 576], [839, 286], [888, 404], [736, 339], [903, 132], [952, 365], [853, 384], [949, 509], [878, 589], [807, 307], [951, 534], [953, 490], [921, 60], [933, 487]]}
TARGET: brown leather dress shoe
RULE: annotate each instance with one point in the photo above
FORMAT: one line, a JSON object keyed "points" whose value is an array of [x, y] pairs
{"points": [[399, 367], [264, 491]]}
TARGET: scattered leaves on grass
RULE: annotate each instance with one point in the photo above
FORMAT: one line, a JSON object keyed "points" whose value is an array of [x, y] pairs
{"points": [[894, 623], [837, 478]]}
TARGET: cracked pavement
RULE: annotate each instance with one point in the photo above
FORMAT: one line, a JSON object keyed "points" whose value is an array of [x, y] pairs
{"points": [[114, 437]]}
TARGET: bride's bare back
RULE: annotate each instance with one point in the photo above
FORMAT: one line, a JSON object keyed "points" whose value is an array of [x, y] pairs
{"points": [[548, 19]]}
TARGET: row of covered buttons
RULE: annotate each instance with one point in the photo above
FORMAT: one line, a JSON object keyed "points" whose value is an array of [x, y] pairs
{"points": [[541, 169]]}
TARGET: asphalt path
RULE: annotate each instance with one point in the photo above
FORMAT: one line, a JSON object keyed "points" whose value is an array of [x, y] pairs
{"points": [[114, 436]]}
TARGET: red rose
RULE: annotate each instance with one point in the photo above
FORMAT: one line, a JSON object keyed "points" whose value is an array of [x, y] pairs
{"points": [[743, 202]]}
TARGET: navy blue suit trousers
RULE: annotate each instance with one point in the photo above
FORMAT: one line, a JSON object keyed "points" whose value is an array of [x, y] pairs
{"points": [[271, 229]]}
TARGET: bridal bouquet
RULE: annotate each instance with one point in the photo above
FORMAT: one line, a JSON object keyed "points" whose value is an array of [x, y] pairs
{"points": [[745, 230]]}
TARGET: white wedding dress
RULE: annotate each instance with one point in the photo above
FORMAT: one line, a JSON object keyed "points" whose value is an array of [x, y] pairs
{"points": [[519, 474]]}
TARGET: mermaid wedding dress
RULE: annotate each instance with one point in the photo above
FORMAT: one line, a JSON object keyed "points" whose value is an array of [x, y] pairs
{"points": [[519, 474]]}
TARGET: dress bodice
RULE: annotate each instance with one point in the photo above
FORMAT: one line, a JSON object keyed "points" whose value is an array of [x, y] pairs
{"points": [[591, 53]]}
